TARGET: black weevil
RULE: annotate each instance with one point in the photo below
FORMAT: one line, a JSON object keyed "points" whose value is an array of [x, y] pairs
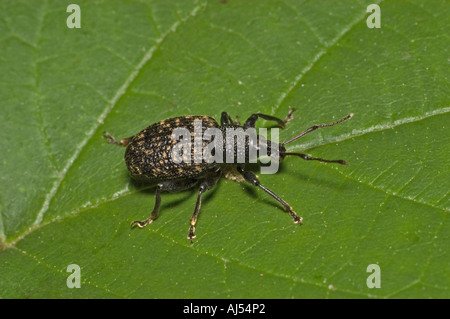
{"points": [[150, 158]]}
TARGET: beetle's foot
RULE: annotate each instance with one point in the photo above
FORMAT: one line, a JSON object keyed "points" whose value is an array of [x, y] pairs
{"points": [[111, 139], [191, 235], [290, 116], [297, 219], [142, 224], [236, 121]]}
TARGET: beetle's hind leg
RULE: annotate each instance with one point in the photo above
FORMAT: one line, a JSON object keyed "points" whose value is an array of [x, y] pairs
{"points": [[206, 184], [112, 140], [166, 186]]}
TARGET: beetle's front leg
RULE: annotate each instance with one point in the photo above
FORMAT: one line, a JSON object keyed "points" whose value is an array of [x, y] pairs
{"points": [[250, 177], [251, 121]]}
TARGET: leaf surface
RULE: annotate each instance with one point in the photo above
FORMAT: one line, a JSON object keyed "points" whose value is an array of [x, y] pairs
{"points": [[66, 197]]}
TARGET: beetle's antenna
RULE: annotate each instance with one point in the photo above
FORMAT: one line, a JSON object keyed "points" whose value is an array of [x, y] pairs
{"points": [[309, 130], [315, 127], [310, 158]]}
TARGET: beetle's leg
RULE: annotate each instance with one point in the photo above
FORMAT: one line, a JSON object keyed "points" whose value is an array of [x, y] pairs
{"points": [[154, 215], [167, 186], [251, 121], [251, 178], [206, 184], [225, 119], [112, 140]]}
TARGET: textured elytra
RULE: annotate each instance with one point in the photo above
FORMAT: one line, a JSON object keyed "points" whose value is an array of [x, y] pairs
{"points": [[149, 154]]}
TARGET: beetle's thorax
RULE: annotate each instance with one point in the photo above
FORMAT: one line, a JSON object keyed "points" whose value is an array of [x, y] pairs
{"points": [[245, 145]]}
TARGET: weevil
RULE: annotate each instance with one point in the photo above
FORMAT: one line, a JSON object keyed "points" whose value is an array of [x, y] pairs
{"points": [[150, 158]]}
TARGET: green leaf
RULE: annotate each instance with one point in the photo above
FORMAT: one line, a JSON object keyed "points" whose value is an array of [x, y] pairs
{"points": [[66, 197]]}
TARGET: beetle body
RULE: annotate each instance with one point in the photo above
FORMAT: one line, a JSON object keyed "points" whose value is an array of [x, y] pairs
{"points": [[151, 156]]}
